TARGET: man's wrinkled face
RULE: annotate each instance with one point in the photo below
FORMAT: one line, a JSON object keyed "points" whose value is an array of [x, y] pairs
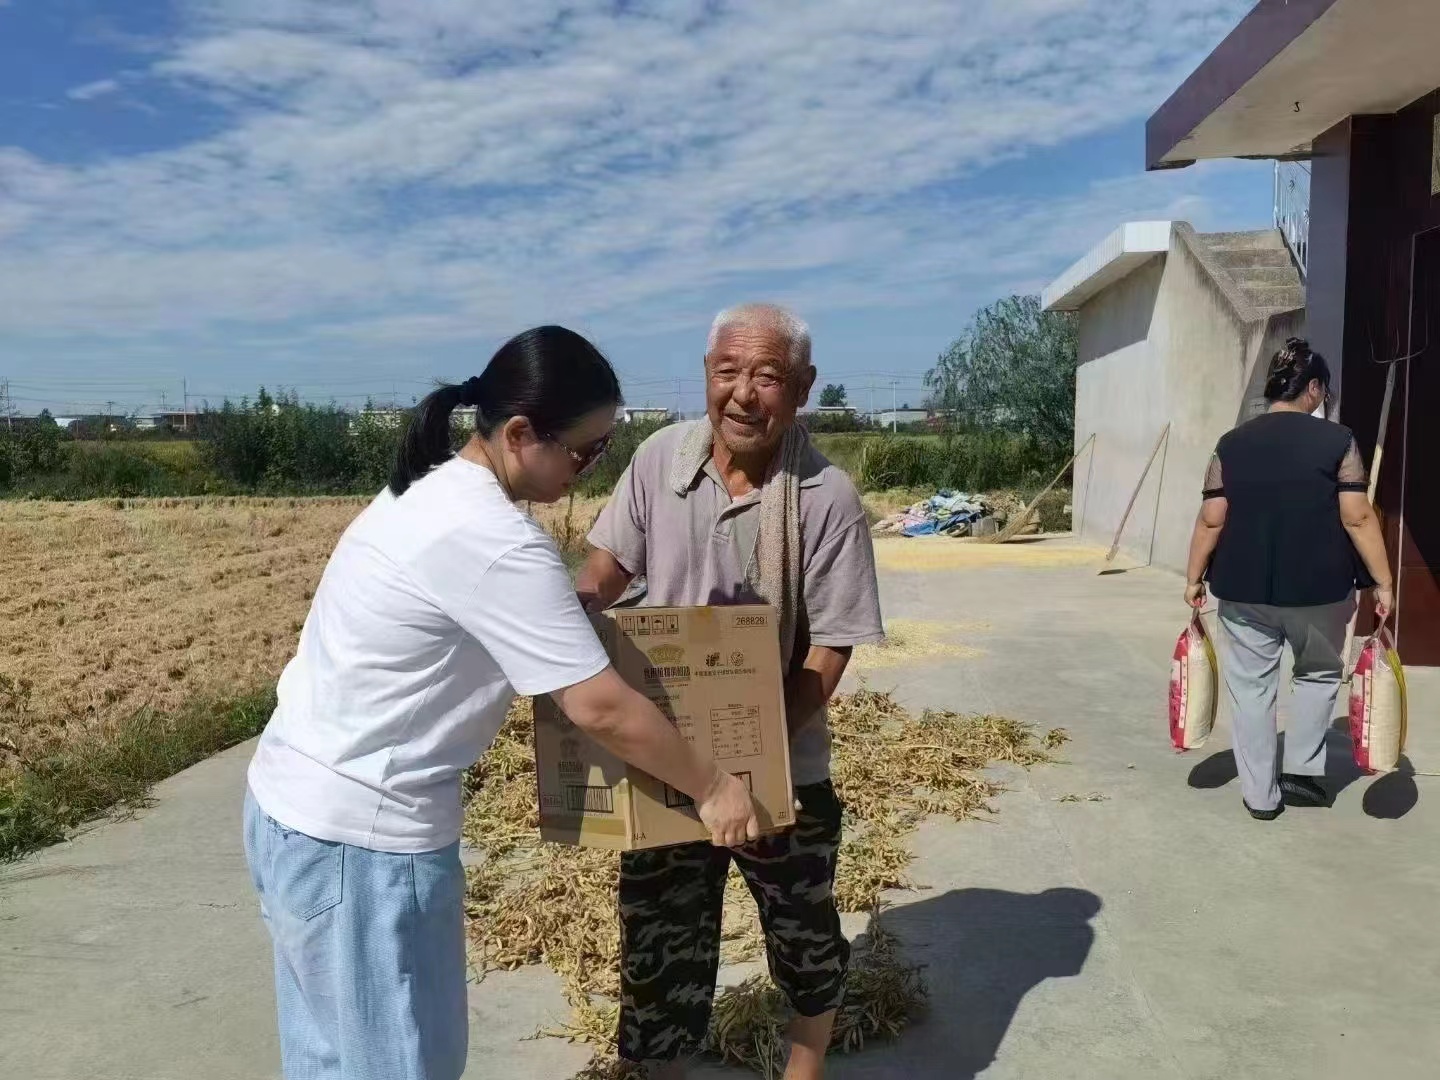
{"points": [[751, 391]]}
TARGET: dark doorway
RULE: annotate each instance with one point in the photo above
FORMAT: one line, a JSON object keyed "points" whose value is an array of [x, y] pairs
{"points": [[1419, 531]]}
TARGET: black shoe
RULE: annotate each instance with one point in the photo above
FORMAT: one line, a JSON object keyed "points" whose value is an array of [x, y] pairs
{"points": [[1302, 791], [1264, 815]]}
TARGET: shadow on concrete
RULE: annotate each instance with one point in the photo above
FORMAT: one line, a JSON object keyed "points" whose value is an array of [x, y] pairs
{"points": [[1215, 771], [1219, 769], [1393, 795], [983, 951], [1340, 768]]}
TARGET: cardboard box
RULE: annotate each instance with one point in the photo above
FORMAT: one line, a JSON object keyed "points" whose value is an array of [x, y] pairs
{"points": [[715, 673]]}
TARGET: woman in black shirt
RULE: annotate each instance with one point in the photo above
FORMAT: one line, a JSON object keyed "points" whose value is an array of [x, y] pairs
{"points": [[1285, 535]]}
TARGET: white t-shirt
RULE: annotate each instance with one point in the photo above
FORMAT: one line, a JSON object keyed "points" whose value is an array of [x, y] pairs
{"points": [[434, 611]]}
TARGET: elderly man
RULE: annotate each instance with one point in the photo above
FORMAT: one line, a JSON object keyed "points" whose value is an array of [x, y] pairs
{"points": [[740, 508]]}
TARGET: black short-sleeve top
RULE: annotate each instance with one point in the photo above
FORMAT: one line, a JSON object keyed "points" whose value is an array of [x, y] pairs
{"points": [[1283, 541]]}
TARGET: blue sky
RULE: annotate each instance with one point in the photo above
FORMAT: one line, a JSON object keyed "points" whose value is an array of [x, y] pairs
{"points": [[355, 198]]}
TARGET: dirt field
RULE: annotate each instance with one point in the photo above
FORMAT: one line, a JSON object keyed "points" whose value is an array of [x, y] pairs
{"points": [[114, 605]]}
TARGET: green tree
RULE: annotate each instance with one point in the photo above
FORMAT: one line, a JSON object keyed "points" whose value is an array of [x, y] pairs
{"points": [[833, 396], [375, 436], [39, 446], [1012, 370]]}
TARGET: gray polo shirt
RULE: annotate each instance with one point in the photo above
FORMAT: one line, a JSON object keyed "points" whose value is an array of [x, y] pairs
{"points": [[694, 549]]}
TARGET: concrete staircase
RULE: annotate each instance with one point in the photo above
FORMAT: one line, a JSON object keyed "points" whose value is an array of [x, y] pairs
{"points": [[1260, 266]]}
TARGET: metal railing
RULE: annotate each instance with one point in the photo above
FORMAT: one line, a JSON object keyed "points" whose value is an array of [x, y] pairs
{"points": [[1292, 209]]}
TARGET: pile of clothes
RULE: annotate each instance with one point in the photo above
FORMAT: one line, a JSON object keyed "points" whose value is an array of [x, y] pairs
{"points": [[946, 513]]}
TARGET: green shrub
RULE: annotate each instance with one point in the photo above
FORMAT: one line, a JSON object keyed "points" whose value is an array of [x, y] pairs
{"points": [[628, 438], [845, 450], [279, 446], [30, 451], [975, 462], [113, 470]]}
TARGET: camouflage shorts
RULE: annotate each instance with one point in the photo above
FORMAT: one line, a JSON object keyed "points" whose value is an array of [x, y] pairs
{"points": [[670, 906]]}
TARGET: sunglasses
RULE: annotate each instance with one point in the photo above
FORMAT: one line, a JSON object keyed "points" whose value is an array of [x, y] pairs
{"points": [[585, 460]]}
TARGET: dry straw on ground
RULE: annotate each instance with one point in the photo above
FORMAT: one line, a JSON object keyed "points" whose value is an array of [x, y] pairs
{"points": [[532, 903]]}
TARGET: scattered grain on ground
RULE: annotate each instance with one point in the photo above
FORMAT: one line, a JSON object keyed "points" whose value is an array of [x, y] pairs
{"points": [[932, 554], [910, 640]]}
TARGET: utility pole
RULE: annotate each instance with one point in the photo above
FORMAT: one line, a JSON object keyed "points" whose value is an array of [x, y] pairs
{"points": [[894, 414], [185, 392], [109, 408], [5, 405]]}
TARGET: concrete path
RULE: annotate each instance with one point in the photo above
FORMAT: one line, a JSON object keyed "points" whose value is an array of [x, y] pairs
{"points": [[1159, 933]]}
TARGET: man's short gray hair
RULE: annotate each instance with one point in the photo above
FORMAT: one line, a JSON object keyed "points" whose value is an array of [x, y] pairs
{"points": [[771, 317]]}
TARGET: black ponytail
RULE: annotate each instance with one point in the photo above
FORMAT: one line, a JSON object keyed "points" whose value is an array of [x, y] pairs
{"points": [[550, 375], [1294, 367]]}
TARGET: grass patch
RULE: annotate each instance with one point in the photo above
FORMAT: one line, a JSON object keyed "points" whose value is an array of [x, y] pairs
{"points": [[980, 461], [48, 796]]}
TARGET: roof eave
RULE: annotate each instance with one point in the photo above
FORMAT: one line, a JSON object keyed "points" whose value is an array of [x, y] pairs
{"points": [[1260, 37], [1120, 254]]}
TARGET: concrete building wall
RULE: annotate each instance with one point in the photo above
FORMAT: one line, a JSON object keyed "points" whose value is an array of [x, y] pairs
{"points": [[1203, 347], [1163, 345], [1119, 391]]}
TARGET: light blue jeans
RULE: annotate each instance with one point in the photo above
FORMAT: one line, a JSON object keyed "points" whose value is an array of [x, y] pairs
{"points": [[369, 955]]}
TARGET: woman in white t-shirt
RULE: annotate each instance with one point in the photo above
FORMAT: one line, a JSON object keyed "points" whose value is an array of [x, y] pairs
{"points": [[440, 603]]}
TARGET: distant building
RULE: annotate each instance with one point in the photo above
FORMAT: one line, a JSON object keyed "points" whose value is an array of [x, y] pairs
{"points": [[20, 423], [384, 415], [184, 420], [393, 416], [901, 417], [642, 415], [831, 410], [167, 420]]}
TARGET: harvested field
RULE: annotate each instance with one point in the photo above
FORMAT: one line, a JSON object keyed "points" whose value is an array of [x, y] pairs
{"points": [[117, 605]]}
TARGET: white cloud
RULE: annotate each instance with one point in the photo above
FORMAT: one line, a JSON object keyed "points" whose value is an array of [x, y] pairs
{"points": [[92, 90], [405, 174]]}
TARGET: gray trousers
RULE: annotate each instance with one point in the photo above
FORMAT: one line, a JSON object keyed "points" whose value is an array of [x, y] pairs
{"points": [[1252, 638]]}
